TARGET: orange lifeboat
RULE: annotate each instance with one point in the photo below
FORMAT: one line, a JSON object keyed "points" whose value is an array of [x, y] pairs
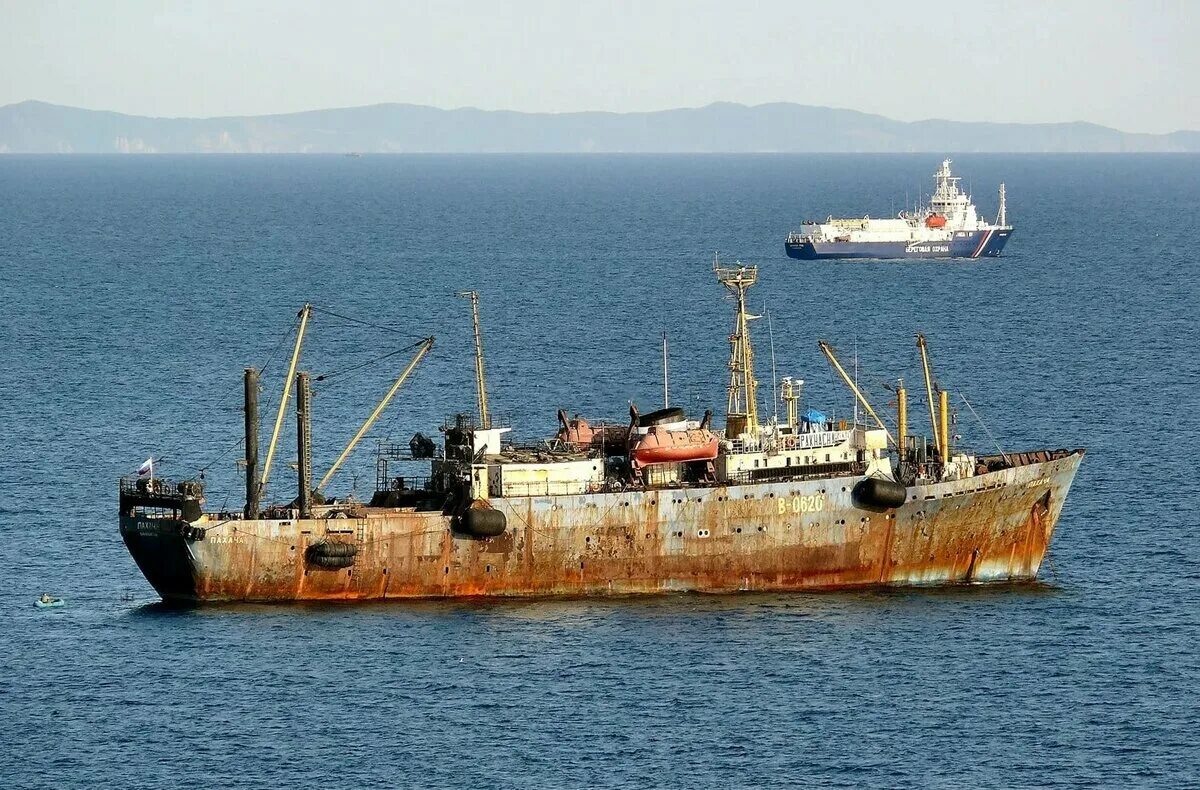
{"points": [[935, 221], [660, 445]]}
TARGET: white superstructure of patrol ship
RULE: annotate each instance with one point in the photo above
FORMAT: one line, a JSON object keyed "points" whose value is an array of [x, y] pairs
{"points": [[949, 227]]}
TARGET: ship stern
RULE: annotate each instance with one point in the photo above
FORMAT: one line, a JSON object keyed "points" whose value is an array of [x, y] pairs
{"points": [[161, 548]]}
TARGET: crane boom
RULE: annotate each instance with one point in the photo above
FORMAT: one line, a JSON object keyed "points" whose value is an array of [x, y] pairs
{"points": [[485, 420], [828, 351], [305, 312], [933, 420], [426, 345]]}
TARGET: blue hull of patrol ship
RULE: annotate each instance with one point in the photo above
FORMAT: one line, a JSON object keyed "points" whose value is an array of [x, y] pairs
{"points": [[964, 244]]}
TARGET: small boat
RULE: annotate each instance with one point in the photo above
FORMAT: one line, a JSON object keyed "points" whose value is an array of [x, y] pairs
{"points": [[667, 436], [47, 601]]}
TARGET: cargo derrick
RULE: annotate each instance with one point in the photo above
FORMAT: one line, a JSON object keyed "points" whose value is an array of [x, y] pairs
{"points": [[659, 503]]}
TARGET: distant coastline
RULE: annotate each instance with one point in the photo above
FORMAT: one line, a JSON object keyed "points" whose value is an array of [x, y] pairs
{"points": [[38, 127]]}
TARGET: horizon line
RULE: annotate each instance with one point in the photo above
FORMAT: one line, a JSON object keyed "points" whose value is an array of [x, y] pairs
{"points": [[557, 113]]}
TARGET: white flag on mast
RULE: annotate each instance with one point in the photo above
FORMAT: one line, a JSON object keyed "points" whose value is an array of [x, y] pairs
{"points": [[147, 467]]}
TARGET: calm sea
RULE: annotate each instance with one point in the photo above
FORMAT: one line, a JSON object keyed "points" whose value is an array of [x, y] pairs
{"points": [[134, 290]]}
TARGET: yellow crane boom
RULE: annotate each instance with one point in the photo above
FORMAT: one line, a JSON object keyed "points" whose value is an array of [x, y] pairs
{"points": [[305, 312], [933, 420], [485, 420], [828, 351], [426, 345]]}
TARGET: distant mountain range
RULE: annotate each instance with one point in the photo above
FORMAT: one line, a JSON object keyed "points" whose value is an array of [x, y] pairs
{"points": [[37, 127]]}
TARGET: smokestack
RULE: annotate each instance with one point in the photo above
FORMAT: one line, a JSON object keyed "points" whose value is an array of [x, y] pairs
{"points": [[251, 396]]}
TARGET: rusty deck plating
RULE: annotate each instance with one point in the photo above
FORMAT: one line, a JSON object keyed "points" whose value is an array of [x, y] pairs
{"points": [[764, 536]]}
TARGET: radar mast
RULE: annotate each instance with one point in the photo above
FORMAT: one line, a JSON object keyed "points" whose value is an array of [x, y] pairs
{"points": [[741, 413]]}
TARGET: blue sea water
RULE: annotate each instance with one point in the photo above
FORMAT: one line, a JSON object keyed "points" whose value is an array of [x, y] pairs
{"points": [[134, 290]]}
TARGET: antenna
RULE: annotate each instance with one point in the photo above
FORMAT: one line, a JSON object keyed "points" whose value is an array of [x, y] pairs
{"points": [[666, 388]]}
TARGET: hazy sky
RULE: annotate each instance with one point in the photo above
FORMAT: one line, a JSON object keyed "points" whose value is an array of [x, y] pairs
{"points": [[1132, 65]]}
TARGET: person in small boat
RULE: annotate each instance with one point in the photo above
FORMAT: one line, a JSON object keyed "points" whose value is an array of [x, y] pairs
{"points": [[46, 598]]}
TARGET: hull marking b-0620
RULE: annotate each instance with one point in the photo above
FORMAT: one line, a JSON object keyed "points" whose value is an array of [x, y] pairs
{"points": [[814, 503]]}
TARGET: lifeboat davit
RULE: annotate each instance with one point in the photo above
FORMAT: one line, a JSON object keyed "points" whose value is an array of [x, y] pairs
{"points": [[577, 431], [582, 435], [935, 221], [662, 445]]}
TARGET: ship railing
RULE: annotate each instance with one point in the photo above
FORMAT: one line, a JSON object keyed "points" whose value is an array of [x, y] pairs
{"points": [[385, 482], [160, 495], [154, 486], [780, 474], [812, 440], [402, 451], [547, 488]]}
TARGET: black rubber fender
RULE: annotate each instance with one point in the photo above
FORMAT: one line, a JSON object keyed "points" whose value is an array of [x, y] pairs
{"points": [[321, 561], [483, 523], [879, 493], [331, 554]]}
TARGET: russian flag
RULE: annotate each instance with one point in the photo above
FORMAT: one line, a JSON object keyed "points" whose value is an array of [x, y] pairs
{"points": [[147, 467]]}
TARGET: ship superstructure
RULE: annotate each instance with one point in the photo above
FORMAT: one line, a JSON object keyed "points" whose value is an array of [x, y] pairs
{"points": [[658, 502], [949, 226]]}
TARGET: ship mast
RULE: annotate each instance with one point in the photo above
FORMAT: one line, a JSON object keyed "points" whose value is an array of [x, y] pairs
{"points": [[1002, 216], [485, 421], [741, 413]]}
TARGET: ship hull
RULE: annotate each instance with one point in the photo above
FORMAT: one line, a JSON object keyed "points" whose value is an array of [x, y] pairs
{"points": [[964, 244], [779, 536]]}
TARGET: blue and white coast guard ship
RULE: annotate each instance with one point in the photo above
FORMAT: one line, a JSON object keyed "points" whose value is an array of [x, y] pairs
{"points": [[949, 227]]}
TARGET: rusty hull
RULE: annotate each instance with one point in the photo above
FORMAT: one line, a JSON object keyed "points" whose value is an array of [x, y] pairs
{"points": [[764, 536]]}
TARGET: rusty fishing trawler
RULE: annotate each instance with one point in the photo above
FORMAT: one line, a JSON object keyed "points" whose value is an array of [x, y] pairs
{"points": [[657, 503]]}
